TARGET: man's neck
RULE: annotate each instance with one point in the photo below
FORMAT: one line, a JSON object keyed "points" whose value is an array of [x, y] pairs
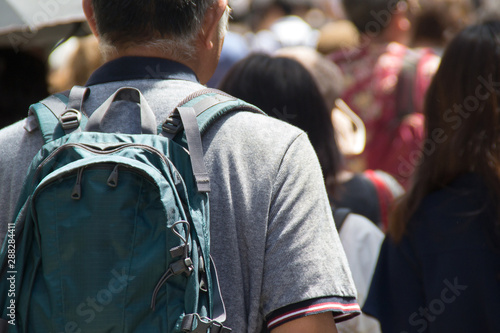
{"points": [[145, 52], [193, 63]]}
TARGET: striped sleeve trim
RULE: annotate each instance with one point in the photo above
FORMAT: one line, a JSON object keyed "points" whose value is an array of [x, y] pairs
{"points": [[341, 308]]}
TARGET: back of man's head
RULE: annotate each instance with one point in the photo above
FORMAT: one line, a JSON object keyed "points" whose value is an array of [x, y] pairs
{"points": [[124, 23], [370, 15]]}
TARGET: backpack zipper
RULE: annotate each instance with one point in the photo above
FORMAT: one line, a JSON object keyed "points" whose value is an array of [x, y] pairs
{"points": [[113, 178], [77, 189], [101, 152]]}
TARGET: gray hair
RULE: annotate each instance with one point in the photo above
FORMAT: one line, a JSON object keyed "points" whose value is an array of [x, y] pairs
{"points": [[171, 27]]}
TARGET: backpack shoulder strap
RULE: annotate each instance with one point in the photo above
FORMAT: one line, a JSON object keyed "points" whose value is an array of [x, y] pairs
{"points": [[186, 124], [193, 117], [209, 105], [384, 194], [58, 114], [339, 215], [406, 85], [41, 116]]}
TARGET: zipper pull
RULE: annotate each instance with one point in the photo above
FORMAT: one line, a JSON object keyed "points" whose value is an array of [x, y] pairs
{"points": [[113, 178], [77, 189]]}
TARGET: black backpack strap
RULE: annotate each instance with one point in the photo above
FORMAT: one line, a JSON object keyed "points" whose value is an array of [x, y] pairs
{"points": [[405, 87], [194, 115], [339, 215]]}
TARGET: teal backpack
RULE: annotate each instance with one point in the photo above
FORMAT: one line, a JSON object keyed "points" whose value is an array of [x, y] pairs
{"points": [[112, 232]]}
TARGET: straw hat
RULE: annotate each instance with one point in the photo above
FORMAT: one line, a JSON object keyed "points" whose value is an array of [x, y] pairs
{"points": [[350, 130]]}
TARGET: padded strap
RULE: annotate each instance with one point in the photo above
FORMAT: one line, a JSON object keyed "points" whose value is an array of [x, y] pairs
{"points": [[207, 117], [193, 137], [172, 126], [196, 114], [58, 115], [43, 115], [210, 101], [56, 103]]}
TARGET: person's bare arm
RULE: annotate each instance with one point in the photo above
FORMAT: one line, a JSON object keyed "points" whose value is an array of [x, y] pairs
{"points": [[318, 323]]}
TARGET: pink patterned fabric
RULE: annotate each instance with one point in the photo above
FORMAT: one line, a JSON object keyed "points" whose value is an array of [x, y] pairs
{"points": [[371, 83]]}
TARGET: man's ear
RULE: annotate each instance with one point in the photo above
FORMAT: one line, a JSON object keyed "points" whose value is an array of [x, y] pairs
{"points": [[88, 10], [211, 23]]}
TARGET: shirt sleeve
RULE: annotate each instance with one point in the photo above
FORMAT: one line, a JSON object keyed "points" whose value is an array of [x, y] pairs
{"points": [[302, 240], [342, 308]]}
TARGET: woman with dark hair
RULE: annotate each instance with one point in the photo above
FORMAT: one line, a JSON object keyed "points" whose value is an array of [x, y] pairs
{"points": [[290, 85], [285, 89], [439, 266]]}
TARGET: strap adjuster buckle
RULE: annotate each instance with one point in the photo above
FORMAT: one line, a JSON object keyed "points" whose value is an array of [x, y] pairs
{"points": [[173, 124], [70, 119]]}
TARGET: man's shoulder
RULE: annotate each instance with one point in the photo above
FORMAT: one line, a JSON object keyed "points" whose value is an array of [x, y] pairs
{"points": [[262, 122], [253, 131], [17, 144], [240, 125], [12, 134]]}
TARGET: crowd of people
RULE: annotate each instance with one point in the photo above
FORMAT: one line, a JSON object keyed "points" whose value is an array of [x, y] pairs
{"points": [[371, 189]]}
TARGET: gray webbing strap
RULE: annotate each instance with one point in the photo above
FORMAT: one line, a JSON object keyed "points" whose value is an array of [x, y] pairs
{"points": [[148, 120], [219, 310], [76, 98], [195, 324], [195, 148], [71, 116]]}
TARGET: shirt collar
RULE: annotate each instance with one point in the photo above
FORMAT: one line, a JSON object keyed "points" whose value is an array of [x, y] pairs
{"points": [[141, 68]]}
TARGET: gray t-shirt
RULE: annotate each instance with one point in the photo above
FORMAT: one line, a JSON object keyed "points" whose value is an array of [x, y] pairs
{"points": [[273, 236]]}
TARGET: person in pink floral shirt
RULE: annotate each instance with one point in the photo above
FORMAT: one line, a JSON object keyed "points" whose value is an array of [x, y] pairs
{"points": [[385, 84]]}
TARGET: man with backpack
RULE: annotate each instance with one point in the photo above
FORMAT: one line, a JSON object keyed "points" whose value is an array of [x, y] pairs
{"points": [[280, 264]]}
